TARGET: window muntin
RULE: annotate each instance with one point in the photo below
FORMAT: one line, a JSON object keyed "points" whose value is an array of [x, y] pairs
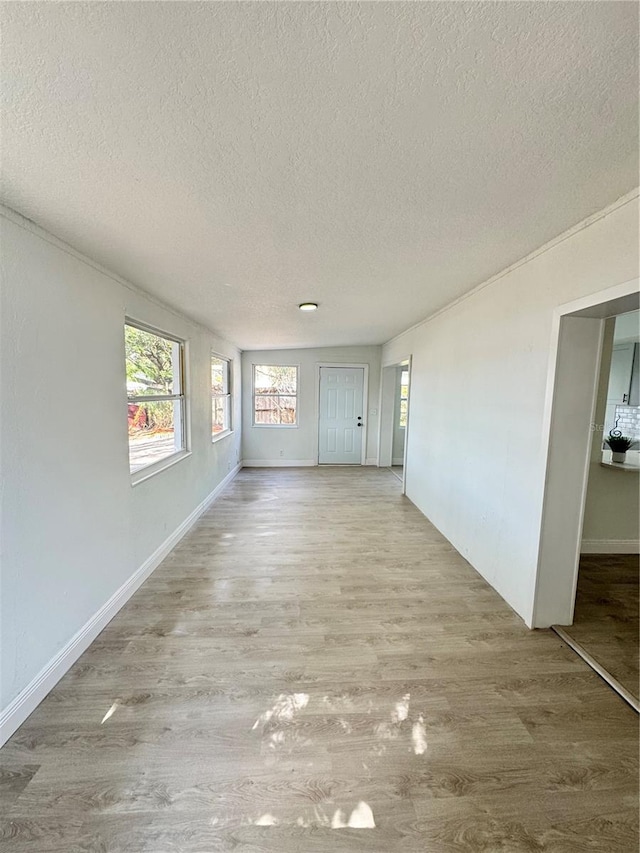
{"points": [[404, 398], [220, 395], [275, 395], [155, 396]]}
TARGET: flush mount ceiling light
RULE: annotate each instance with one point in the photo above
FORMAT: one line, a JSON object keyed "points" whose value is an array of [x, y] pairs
{"points": [[308, 306]]}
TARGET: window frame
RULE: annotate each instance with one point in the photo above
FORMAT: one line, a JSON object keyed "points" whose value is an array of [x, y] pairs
{"points": [[295, 425], [147, 471], [228, 395]]}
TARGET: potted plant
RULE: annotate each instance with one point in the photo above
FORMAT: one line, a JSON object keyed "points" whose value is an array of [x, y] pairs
{"points": [[619, 444]]}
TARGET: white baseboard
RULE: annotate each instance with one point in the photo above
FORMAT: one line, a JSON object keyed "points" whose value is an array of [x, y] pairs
{"points": [[14, 715], [610, 546], [371, 460], [278, 463], [398, 461], [289, 463]]}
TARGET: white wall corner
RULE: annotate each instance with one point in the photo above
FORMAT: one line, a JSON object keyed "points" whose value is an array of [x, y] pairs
{"points": [[12, 717], [610, 546]]}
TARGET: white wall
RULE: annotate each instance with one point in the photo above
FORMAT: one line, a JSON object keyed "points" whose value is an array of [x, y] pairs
{"points": [[386, 415], [480, 480], [73, 527], [612, 509], [299, 446], [627, 327]]}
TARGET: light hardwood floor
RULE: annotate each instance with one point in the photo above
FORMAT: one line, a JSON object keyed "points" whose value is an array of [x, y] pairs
{"points": [[607, 612], [315, 658]]}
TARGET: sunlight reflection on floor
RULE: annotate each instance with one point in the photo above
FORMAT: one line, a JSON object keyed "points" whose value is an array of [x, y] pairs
{"points": [[399, 726]]}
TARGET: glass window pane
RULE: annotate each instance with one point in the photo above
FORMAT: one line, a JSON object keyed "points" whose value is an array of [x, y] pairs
{"points": [[275, 409], [153, 363], [403, 413], [275, 379], [219, 375], [220, 414], [264, 411], [404, 384], [154, 432]]}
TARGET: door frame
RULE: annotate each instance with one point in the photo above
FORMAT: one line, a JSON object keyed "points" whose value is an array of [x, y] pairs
{"points": [[387, 417], [572, 383], [365, 404]]}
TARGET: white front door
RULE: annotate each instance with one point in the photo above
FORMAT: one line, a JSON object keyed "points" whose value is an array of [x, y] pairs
{"points": [[341, 415]]}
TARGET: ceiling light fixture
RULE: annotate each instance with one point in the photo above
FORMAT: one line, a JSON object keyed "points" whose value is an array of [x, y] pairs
{"points": [[308, 306]]}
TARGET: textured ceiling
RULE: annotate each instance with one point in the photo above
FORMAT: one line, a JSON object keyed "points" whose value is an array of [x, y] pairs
{"points": [[381, 159]]}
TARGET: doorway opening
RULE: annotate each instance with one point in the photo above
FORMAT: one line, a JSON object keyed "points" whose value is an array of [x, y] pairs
{"points": [[576, 412], [394, 418], [605, 621]]}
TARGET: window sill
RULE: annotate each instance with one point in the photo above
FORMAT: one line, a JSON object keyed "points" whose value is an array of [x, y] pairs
{"points": [[274, 426], [151, 470], [220, 435], [631, 463], [621, 466]]}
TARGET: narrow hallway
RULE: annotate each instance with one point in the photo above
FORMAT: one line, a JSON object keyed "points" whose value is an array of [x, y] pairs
{"points": [[313, 668]]}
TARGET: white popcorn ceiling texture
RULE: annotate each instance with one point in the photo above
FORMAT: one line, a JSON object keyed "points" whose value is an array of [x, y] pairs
{"points": [[381, 159]]}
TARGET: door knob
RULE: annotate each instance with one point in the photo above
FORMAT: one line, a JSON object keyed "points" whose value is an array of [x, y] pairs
{"points": [[359, 424]]}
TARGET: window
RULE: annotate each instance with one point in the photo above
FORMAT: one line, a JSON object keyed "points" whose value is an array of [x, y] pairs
{"points": [[404, 397], [220, 396], [155, 396], [275, 389]]}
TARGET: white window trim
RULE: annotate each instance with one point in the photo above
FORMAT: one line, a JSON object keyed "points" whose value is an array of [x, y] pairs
{"points": [[149, 471], [154, 468], [253, 397], [225, 432], [220, 435]]}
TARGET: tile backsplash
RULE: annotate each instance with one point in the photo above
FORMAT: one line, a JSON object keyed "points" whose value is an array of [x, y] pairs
{"points": [[629, 421]]}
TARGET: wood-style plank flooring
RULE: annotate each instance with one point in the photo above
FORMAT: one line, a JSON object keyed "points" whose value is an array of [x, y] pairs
{"points": [[607, 613], [315, 668]]}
